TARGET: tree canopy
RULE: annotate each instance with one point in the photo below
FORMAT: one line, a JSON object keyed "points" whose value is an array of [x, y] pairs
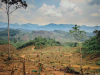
{"points": [[78, 34], [20, 3]]}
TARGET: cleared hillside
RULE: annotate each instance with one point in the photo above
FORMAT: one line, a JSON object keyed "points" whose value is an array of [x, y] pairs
{"points": [[4, 48]]}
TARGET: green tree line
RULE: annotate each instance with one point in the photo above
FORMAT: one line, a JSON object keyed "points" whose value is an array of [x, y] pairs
{"points": [[92, 45], [40, 42]]}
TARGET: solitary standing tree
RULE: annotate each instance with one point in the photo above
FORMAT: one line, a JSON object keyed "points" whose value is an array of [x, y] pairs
{"points": [[6, 5], [78, 35]]}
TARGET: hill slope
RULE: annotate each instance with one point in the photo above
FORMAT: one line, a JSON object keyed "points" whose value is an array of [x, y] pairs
{"points": [[20, 36]]}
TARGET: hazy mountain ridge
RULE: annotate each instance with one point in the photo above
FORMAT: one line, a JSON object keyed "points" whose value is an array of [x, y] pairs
{"points": [[49, 27]]}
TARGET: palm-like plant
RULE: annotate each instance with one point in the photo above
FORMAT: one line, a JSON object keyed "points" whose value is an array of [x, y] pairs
{"points": [[78, 35]]}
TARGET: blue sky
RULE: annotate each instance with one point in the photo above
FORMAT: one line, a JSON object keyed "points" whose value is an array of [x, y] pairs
{"points": [[43, 12]]}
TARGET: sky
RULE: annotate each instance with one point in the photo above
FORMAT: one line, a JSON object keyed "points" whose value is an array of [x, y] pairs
{"points": [[43, 12]]}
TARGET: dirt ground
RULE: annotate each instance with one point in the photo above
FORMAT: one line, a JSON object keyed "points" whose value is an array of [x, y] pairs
{"points": [[52, 58]]}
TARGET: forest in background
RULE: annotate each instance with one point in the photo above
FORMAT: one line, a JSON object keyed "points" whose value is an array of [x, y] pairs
{"points": [[19, 37], [41, 38]]}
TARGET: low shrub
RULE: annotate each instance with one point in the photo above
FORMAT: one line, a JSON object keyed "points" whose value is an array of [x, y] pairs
{"points": [[41, 53], [34, 71], [53, 66], [51, 61], [60, 55], [98, 70], [98, 63]]}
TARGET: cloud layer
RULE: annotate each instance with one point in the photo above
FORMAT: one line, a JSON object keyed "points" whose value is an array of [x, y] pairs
{"points": [[92, 2], [81, 12]]}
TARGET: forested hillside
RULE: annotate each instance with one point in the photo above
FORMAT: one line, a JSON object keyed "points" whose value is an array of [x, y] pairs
{"points": [[92, 45], [20, 36], [4, 35]]}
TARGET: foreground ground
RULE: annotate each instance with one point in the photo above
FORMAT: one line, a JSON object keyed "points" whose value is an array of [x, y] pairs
{"points": [[53, 59]]}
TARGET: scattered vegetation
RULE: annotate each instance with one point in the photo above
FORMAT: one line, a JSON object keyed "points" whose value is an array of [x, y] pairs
{"points": [[51, 61], [41, 53], [98, 63], [60, 55], [3, 42], [70, 44], [53, 66], [98, 70]]}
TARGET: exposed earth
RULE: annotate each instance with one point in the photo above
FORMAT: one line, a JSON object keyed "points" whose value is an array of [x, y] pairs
{"points": [[54, 60]]}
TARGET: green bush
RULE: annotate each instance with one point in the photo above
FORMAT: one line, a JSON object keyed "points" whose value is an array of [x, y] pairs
{"points": [[34, 71], [51, 61], [98, 63], [98, 70], [72, 68], [60, 55], [3, 42], [41, 53], [53, 66], [91, 46]]}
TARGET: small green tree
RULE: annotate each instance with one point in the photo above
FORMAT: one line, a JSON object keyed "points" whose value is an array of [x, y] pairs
{"points": [[78, 35]]}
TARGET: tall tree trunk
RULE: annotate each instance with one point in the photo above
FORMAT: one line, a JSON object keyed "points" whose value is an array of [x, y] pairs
{"points": [[81, 60], [24, 70], [8, 34]]}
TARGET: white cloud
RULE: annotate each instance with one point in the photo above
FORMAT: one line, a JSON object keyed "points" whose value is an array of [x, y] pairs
{"points": [[71, 15], [63, 10], [50, 10], [67, 4], [45, 7], [75, 1], [53, 13], [76, 9], [95, 14], [84, 20]]}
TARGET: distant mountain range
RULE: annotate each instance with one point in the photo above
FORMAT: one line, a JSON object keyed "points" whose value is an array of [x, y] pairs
{"points": [[49, 27]]}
